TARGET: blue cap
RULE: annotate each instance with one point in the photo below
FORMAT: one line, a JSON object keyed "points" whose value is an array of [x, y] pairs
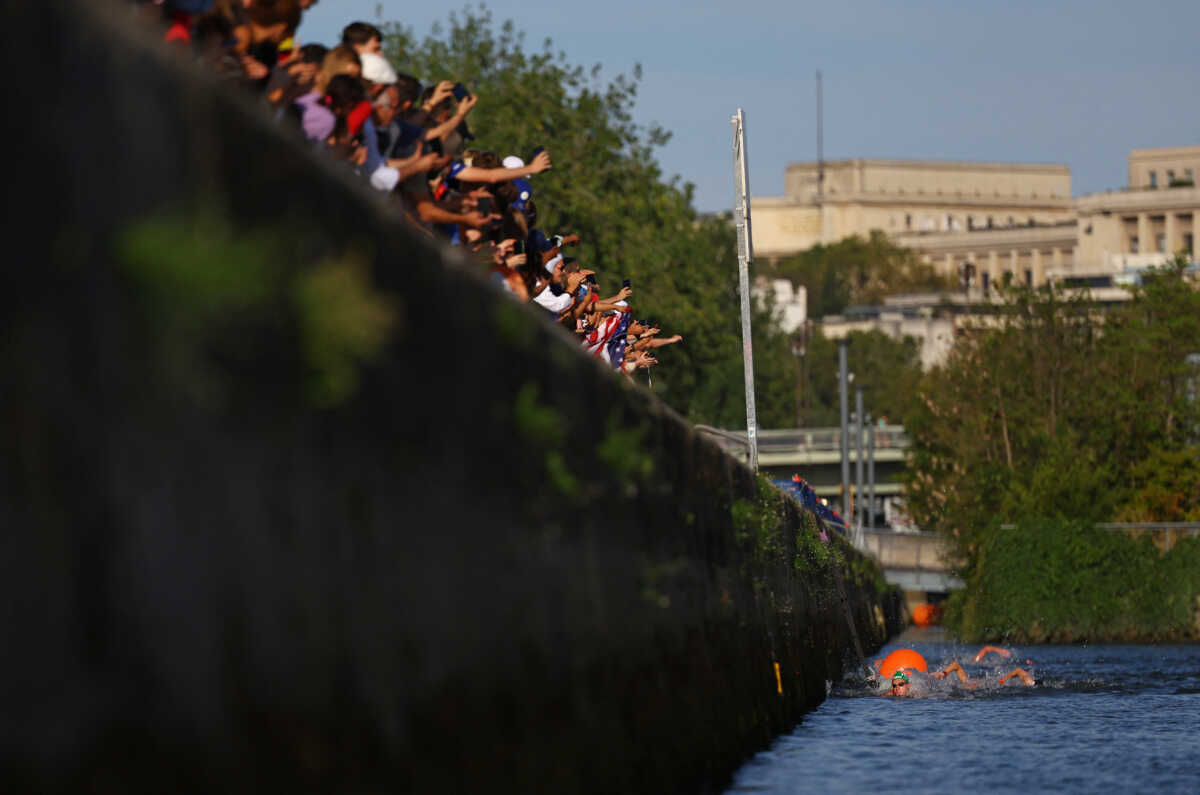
{"points": [[524, 193]]}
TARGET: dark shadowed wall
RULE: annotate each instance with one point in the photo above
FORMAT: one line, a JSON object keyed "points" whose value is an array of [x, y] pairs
{"points": [[289, 502]]}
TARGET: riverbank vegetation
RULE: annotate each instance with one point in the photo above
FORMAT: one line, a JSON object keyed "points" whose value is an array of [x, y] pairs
{"points": [[1045, 420]]}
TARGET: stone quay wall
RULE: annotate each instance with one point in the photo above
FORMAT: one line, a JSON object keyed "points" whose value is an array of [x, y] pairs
{"points": [[293, 501]]}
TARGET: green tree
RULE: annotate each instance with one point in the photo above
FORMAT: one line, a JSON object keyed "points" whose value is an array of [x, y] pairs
{"points": [[1164, 487], [607, 186], [888, 371], [1058, 410], [858, 271]]}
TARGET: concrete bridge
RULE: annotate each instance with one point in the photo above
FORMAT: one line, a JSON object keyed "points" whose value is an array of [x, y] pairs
{"points": [[816, 455], [914, 562]]}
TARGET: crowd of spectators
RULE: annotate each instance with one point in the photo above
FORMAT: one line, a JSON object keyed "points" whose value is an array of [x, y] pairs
{"points": [[408, 137]]}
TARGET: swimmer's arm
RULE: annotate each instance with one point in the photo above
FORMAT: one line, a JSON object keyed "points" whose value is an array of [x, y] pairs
{"points": [[953, 668], [1005, 653], [1019, 673]]}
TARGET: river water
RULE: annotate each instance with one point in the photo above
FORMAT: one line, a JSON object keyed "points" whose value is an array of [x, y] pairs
{"points": [[1122, 717]]}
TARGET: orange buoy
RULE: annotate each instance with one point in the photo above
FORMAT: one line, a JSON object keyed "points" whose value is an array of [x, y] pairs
{"points": [[902, 658], [926, 615]]}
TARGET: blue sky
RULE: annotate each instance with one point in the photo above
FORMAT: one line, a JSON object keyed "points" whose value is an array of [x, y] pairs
{"points": [[1070, 82]]}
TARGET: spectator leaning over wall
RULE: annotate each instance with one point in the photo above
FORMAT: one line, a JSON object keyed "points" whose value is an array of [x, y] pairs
{"points": [[362, 37], [410, 142]]}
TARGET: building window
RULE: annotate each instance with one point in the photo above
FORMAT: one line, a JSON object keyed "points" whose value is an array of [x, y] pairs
{"points": [[1028, 277], [1160, 242], [1187, 176], [908, 221], [970, 223], [991, 223], [1010, 220], [986, 281], [1133, 244], [1187, 243], [1153, 179], [1170, 175]]}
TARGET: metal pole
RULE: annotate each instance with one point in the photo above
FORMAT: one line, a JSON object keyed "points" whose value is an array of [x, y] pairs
{"points": [[844, 399], [870, 475], [858, 456], [820, 142], [741, 219]]}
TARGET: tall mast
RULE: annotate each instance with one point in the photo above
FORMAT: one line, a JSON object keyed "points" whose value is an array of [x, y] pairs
{"points": [[820, 143]]}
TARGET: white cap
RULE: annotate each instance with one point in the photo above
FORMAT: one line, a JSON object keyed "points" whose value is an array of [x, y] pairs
{"points": [[555, 303], [554, 263], [512, 161], [385, 178], [376, 69]]}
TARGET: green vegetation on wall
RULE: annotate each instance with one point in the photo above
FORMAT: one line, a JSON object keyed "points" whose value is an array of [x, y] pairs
{"points": [[776, 530]]}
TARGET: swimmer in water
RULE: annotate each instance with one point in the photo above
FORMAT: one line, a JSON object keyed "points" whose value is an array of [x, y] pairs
{"points": [[966, 681], [902, 682], [901, 685], [986, 650]]}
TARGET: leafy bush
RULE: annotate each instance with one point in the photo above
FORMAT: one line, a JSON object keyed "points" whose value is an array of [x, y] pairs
{"points": [[1063, 581]]}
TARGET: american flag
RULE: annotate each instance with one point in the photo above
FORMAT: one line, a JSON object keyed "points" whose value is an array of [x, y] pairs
{"points": [[597, 340], [617, 344]]}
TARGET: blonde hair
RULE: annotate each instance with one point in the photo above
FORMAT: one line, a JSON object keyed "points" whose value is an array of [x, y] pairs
{"points": [[336, 62]]}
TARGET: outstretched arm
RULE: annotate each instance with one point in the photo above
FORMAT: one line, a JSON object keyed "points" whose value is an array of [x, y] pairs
{"points": [[1005, 653], [953, 668], [1021, 674]]}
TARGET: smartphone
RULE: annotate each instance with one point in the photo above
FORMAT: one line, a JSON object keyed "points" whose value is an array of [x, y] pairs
{"points": [[626, 283], [519, 248], [434, 145], [591, 278], [537, 150], [484, 205], [460, 92]]}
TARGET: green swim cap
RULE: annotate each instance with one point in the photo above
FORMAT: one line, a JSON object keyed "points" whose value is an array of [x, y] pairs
{"points": [[900, 675]]}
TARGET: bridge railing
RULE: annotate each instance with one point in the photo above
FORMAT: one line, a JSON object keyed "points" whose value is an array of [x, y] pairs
{"points": [[1165, 533], [818, 440]]}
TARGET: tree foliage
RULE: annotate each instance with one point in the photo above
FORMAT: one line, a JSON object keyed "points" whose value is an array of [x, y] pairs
{"points": [[857, 271], [1061, 411], [607, 186], [888, 371], [1065, 581]]}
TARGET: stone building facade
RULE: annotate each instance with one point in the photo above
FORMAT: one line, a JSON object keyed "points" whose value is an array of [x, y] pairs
{"points": [[903, 197], [1013, 221]]}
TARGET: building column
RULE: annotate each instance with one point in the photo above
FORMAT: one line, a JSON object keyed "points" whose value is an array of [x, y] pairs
{"points": [[1171, 227], [1145, 244]]}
